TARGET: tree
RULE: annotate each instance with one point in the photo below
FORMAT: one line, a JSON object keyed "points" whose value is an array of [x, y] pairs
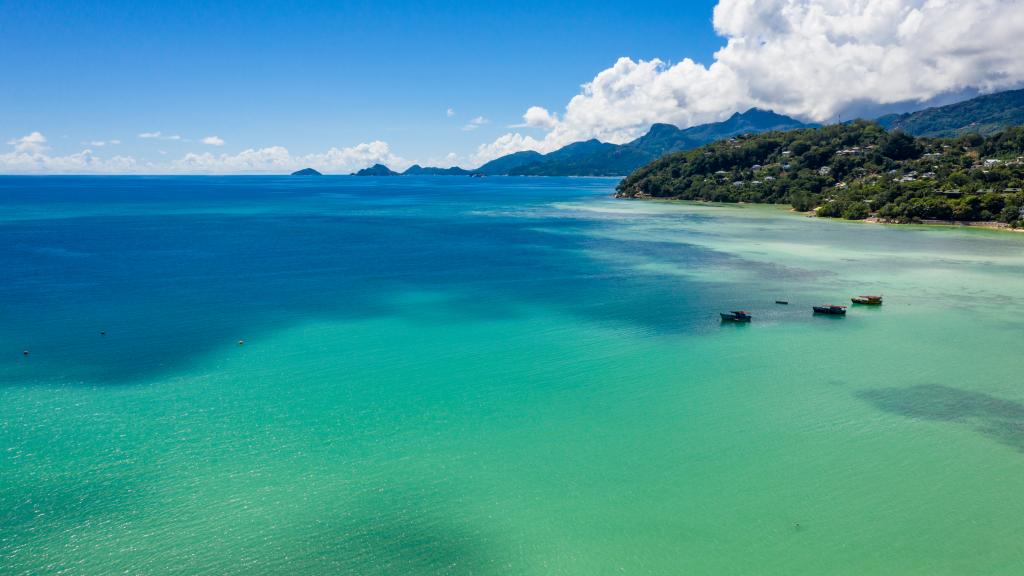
{"points": [[856, 211], [801, 201], [833, 209], [900, 146]]}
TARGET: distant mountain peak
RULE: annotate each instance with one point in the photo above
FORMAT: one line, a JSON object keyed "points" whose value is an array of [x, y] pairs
{"points": [[377, 170], [417, 170], [595, 158], [509, 162], [662, 128], [761, 118]]}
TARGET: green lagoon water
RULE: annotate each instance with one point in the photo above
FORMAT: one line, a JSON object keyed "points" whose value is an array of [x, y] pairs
{"points": [[496, 376]]}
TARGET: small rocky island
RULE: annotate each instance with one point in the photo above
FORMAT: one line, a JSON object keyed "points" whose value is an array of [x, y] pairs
{"points": [[306, 172]]}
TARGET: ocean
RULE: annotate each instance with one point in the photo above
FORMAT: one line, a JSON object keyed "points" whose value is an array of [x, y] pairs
{"points": [[444, 375]]}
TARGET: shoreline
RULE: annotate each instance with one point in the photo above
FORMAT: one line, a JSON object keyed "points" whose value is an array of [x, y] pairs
{"points": [[987, 225], [984, 225]]}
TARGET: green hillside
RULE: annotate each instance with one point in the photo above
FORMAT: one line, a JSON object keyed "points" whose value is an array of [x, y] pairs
{"points": [[983, 115], [853, 170]]}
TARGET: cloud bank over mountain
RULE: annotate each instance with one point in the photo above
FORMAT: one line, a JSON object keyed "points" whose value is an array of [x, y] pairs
{"points": [[811, 59]]}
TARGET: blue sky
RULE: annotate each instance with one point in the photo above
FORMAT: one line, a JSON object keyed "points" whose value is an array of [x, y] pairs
{"points": [[266, 87], [309, 76]]}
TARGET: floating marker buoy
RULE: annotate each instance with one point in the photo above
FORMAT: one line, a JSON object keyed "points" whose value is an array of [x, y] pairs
{"points": [[24, 352], [241, 342], [103, 332]]}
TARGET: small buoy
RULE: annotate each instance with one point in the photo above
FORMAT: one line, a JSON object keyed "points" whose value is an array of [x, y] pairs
{"points": [[103, 332], [241, 342], [24, 352]]}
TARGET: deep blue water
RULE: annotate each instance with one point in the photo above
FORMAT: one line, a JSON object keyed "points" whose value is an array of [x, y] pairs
{"points": [[171, 266]]}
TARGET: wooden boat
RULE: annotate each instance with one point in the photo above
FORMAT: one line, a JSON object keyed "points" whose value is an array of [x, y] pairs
{"points": [[782, 301], [831, 309], [867, 300], [735, 316]]}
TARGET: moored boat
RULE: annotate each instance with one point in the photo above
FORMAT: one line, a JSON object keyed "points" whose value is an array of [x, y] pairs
{"points": [[831, 309], [735, 316], [867, 300]]}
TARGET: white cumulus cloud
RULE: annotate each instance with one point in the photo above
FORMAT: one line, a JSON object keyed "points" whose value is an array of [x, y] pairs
{"points": [[537, 117], [213, 141], [30, 143], [813, 59], [450, 112], [30, 156]]}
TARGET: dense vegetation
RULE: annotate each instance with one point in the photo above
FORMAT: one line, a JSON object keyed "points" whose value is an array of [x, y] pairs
{"points": [[983, 115], [852, 171]]}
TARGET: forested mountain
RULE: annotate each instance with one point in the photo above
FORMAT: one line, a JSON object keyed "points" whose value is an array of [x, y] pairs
{"points": [[594, 158], [377, 170], [417, 170], [850, 170], [509, 162], [983, 115]]}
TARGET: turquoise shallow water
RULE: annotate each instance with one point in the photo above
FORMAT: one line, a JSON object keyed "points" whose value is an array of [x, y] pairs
{"points": [[496, 376]]}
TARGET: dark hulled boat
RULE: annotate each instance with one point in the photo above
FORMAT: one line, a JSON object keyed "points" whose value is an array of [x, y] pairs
{"points": [[735, 316], [831, 309]]}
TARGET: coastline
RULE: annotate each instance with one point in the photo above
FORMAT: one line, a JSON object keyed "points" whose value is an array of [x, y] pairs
{"points": [[988, 225], [985, 225]]}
